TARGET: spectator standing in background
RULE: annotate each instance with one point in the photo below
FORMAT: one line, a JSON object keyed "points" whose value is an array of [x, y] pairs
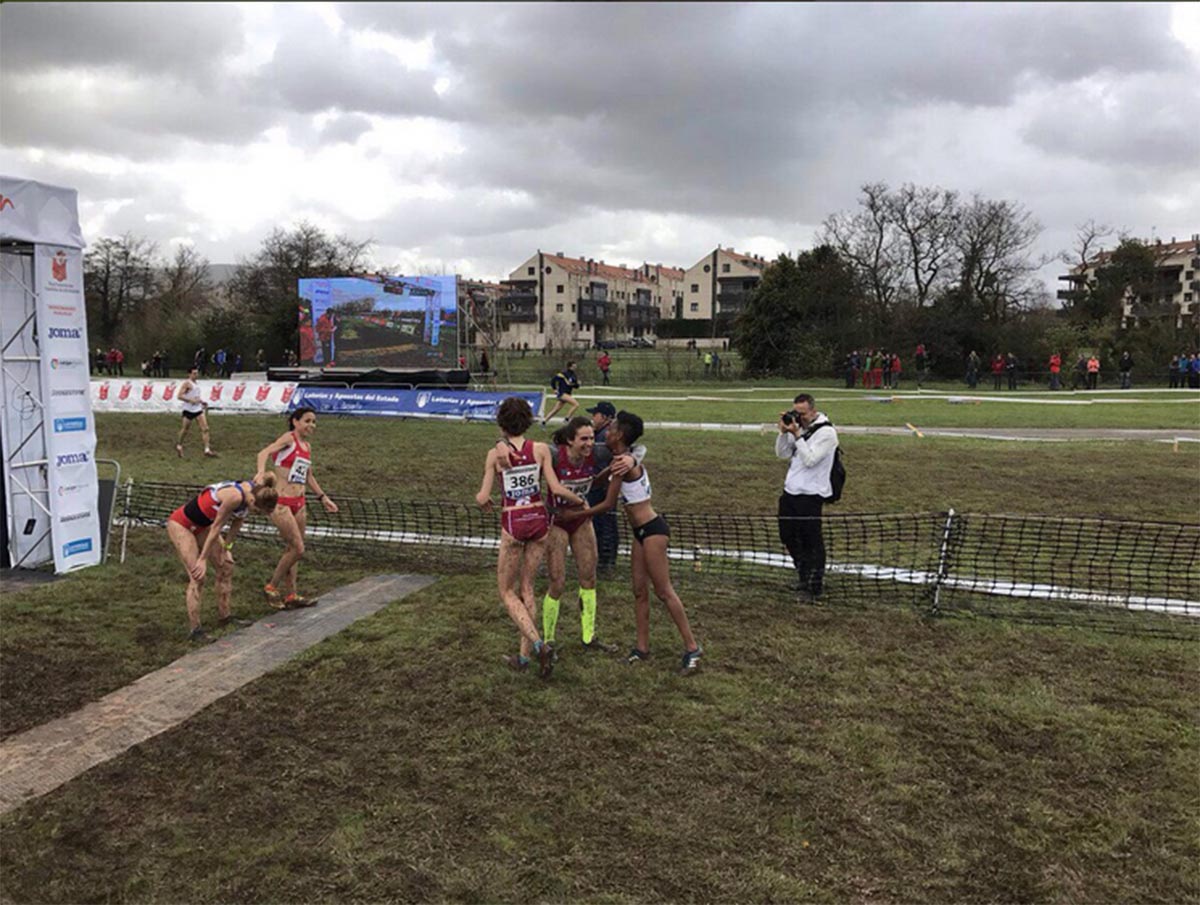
{"points": [[973, 365], [260, 360], [1055, 371], [707, 363], [1125, 367], [1093, 372], [156, 364], [716, 364], [997, 371], [604, 362], [896, 371], [866, 368], [1010, 368], [921, 359], [1173, 372], [850, 369], [877, 361], [1193, 372], [237, 363], [484, 364], [200, 361]]}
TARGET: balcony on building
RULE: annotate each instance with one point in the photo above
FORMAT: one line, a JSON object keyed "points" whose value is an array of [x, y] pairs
{"points": [[592, 311], [732, 303], [519, 307], [642, 315]]}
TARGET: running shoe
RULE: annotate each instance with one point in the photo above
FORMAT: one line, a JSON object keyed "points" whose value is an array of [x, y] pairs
{"points": [[298, 602], [637, 656], [599, 646], [231, 620], [274, 598], [691, 661], [546, 660], [199, 636], [516, 663], [211, 454]]}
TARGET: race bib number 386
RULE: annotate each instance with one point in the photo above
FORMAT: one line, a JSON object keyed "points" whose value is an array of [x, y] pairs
{"points": [[521, 482]]}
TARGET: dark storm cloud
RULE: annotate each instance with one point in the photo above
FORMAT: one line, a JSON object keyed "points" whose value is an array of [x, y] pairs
{"points": [[186, 39], [312, 71], [571, 118]]}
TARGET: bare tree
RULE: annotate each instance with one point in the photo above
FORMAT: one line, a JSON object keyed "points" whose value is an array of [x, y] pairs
{"points": [[927, 220], [183, 284], [997, 266], [870, 242], [1089, 242], [118, 281]]}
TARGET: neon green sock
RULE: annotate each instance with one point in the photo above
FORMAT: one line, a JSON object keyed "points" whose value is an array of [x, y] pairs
{"points": [[587, 614], [549, 617]]}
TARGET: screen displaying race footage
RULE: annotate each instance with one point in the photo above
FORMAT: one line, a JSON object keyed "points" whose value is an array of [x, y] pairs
{"points": [[383, 322]]}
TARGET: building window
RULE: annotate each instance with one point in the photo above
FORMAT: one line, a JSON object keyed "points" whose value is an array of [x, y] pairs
{"points": [[558, 308], [1187, 296], [1191, 275], [529, 271], [695, 306], [707, 268], [572, 307], [548, 268], [724, 268], [695, 287], [560, 288]]}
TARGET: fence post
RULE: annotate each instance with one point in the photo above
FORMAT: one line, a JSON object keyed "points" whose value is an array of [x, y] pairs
{"points": [[943, 563], [125, 518]]}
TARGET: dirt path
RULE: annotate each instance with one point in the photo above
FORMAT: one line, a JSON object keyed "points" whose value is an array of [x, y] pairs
{"points": [[40, 760]]}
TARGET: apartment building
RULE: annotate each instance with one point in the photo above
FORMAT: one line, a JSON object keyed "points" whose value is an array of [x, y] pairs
{"points": [[718, 285], [564, 302], [1178, 282]]}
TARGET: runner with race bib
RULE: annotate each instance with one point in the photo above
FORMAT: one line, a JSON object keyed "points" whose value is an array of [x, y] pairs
{"points": [[524, 523], [576, 467], [291, 458]]}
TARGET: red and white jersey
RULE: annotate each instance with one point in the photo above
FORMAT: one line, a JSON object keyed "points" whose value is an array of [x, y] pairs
{"points": [[576, 478], [296, 457], [521, 482]]}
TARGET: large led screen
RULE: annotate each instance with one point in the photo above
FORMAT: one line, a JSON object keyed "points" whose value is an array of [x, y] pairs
{"points": [[390, 322]]}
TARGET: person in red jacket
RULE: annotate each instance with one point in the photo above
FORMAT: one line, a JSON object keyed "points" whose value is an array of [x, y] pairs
{"points": [[997, 370], [895, 371], [1055, 371]]}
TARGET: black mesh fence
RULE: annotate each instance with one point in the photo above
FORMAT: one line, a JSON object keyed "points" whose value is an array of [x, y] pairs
{"points": [[1131, 576]]}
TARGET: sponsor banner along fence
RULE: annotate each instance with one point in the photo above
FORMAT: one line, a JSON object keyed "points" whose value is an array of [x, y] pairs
{"points": [[137, 394], [418, 403]]}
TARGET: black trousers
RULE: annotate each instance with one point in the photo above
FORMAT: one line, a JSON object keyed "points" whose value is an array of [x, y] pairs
{"points": [[800, 531]]}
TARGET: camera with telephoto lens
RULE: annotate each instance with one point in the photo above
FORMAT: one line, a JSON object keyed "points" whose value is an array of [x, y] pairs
{"points": [[790, 418]]}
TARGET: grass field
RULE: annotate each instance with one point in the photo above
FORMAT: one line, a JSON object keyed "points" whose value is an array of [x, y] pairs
{"points": [[825, 755], [695, 471], [843, 754]]}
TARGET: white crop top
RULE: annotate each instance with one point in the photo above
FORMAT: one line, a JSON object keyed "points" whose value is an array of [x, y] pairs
{"points": [[636, 491]]}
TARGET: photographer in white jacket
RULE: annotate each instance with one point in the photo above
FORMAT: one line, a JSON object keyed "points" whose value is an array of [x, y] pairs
{"points": [[809, 441]]}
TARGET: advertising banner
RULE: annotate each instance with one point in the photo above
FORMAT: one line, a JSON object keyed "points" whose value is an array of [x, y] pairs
{"points": [[161, 394], [436, 403], [68, 426]]}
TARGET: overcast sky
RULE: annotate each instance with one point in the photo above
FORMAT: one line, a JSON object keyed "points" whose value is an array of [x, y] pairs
{"points": [[464, 137]]}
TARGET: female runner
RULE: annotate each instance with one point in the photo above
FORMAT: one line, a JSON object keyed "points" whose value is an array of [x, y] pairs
{"points": [[195, 530], [291, 457], [650, 535], [524, 523], [576, 467]]}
